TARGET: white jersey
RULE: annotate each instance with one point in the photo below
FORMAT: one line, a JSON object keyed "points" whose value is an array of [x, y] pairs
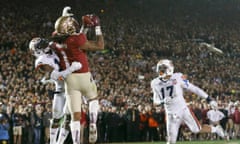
{"points": [[58, 103], [170, 92], [215, 115], [53, 61]]}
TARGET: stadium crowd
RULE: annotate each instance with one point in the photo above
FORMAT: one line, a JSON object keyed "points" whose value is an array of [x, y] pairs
{"points": [[137, 35]]}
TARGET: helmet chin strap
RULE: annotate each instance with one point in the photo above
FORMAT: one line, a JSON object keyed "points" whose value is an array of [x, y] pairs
{"points": [[165, 78]]}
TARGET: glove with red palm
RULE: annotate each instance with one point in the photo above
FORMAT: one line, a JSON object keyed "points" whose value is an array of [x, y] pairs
{"points": [[95, 20], [92, 20]]}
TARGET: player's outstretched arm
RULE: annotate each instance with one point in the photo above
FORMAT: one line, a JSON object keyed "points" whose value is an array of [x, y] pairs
{"points": [[93, 21], [60, 75]]}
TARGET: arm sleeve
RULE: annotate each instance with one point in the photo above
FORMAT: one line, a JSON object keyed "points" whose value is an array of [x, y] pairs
{"points": [[156, 96], [197, 91], [192, 88]]}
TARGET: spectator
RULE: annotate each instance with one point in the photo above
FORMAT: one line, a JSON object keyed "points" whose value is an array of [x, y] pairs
{"points": [[38, 124], [215, 115], [17, 119], [47, 115], [4, 129], [236, 120]]}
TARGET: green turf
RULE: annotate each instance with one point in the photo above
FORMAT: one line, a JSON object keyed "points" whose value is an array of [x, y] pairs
{"points": [[189, 142]]}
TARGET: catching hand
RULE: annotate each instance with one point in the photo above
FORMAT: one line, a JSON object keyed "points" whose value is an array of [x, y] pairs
{"points": [[90, 20]]}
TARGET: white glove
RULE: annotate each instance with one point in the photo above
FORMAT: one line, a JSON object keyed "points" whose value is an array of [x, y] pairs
{"points": [[66, 11], [55, 75], [75, 66]]}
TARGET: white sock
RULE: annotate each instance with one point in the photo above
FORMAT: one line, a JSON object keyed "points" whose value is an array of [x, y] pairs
{"points": [[53, 135], [93, 110], [75, 129], [62, 135]]}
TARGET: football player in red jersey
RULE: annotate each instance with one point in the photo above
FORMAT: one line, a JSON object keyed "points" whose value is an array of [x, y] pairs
{"points": [[48, 62], [71, 45]]}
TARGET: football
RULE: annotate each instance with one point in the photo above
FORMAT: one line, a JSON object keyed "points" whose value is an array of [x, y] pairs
{"points": [[87, 20]]}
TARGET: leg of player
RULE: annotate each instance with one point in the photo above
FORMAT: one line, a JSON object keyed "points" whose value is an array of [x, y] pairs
{"points": [[64, 130], [74, 102], [214, 129], [54, 128], [173, 125], [93, 114], [194, 125], [57, 113], [75, 127]]}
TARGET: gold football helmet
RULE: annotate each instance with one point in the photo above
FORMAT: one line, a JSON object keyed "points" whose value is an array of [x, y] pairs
{"points": [[66, 25]]}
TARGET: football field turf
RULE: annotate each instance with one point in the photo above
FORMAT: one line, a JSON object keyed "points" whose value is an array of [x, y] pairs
{"points": [[189, 142]]}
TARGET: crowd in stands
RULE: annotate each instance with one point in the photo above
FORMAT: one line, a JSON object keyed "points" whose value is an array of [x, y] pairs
{"points": [[137, 34]]}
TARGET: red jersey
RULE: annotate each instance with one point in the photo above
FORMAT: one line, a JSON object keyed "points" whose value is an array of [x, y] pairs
{"points": [[69, 52]]}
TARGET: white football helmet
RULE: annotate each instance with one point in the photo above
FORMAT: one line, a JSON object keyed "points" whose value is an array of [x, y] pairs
{"points": [[165, 68], [39, 46]]}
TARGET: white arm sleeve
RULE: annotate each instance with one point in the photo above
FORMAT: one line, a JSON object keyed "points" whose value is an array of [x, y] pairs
{"points": [[191, 87], [157, 98]]}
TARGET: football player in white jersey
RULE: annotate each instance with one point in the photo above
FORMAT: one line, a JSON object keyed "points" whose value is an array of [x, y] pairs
{"points": [[168, 89], [48, 62]]}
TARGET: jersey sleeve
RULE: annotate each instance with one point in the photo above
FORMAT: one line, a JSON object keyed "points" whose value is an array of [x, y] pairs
{"points": [[191, 87], [156, 95]]}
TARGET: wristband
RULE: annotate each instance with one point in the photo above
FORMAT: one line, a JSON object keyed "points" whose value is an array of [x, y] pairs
{"points": [[98, 30]]}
